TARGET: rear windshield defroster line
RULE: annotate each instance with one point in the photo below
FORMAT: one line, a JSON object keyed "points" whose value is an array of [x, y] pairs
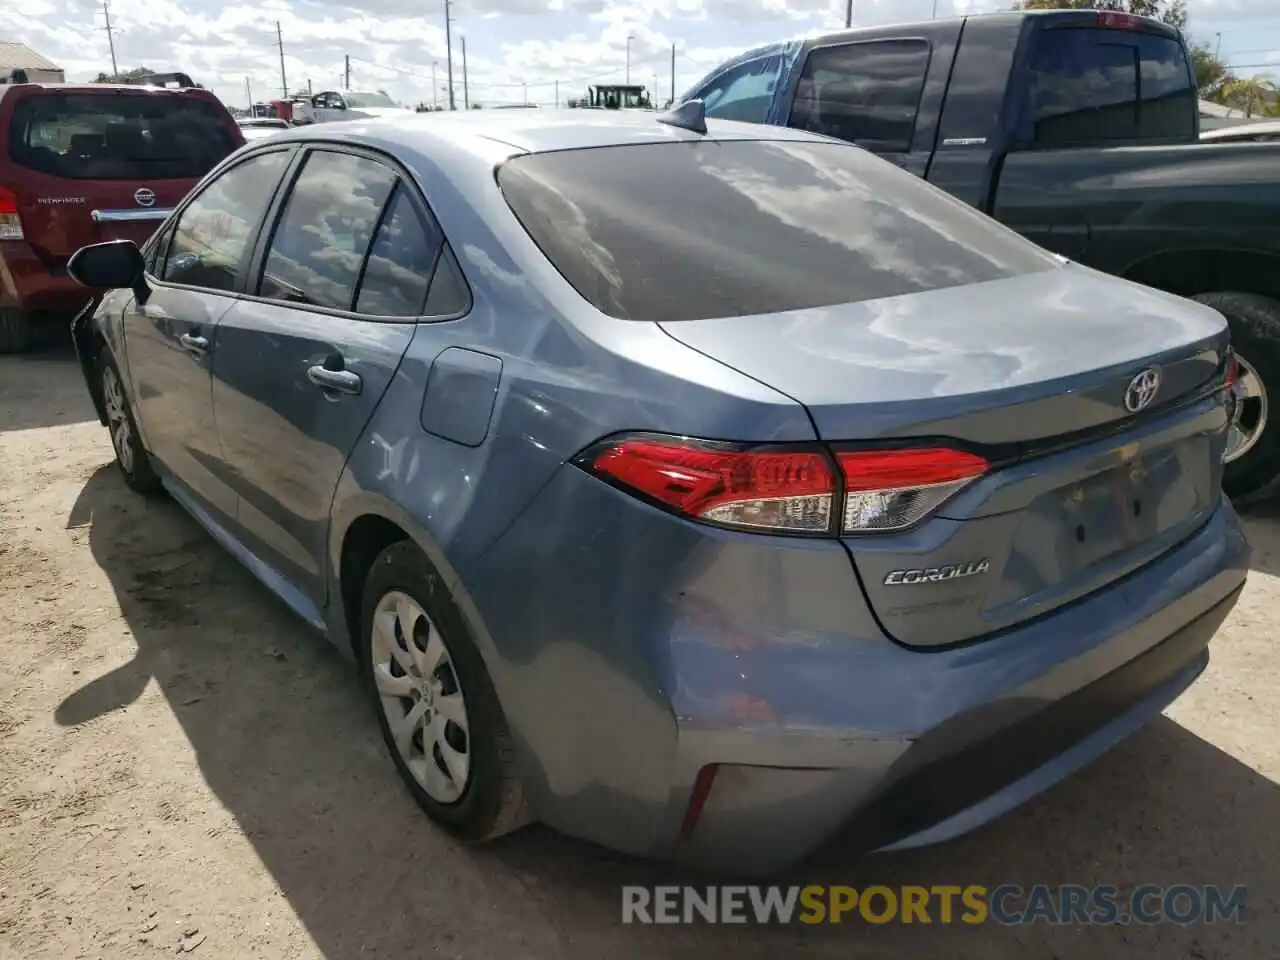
{"points": [[700, 229]]}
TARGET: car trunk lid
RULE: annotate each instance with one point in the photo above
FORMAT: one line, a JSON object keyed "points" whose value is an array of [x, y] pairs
{"points": [[1036, 374]]}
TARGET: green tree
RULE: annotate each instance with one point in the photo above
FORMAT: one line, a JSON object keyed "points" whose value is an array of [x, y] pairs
{"points": [[124, 76], [1250, 94]]}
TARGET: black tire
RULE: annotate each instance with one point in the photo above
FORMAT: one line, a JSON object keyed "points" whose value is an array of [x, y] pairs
{"points": [[16, 327], [138, 473], [492, 802], [1255, 334]]}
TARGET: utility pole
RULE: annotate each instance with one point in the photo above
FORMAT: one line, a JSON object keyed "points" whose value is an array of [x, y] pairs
{"points": [[524, 92], [629, 39], [308, 86], [448, 49], [557, 94], [111, 39], [248, 92], [848, 14], [673, 73], [435, 89], [935, 10], [466, 97], [347, 74], [284, 83]]}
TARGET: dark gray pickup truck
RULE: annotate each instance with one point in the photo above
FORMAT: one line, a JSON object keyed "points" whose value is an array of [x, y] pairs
{"points": [[1078, 129]]}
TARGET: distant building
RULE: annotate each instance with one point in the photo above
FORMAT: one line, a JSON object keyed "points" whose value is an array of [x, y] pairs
{"points": [[18, 56]]}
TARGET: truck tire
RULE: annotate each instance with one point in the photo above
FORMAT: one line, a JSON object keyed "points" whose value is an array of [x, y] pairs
{"points": [[1255, 334], [15, 330]]}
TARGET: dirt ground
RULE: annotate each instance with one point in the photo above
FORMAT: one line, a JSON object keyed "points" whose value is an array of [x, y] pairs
{"points": [[182, 764]]}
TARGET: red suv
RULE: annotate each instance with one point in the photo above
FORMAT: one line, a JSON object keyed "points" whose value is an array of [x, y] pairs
{"points": [[80, 163]]}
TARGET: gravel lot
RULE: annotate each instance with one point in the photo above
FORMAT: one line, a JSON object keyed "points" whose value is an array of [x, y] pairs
{"points": [[182, 763]]}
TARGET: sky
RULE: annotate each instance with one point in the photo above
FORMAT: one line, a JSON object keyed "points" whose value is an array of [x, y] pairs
{"points": [[517, 50]]}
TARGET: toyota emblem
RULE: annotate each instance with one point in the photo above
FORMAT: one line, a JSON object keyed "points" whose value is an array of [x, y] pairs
{"points": [[1142, 390], [144, 197]]}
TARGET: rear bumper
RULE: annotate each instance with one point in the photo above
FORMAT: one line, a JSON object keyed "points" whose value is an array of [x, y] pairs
{"points": [[671, 648], [27, 283]]}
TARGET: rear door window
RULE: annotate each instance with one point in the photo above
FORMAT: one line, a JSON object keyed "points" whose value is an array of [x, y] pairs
{"points": [[743, 92], [320, 242], [698, 229], [1092, 85], [867, 93], [401, 262], [213, 233], [118, 136]]}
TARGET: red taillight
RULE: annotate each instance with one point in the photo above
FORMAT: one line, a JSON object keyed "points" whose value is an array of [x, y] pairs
{"points": [[10, 222], [1232, 375], [760, 488], [1120, 21], [892, 489], [785, 490]]}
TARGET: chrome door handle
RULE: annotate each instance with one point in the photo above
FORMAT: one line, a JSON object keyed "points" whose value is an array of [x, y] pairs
{"points": [[340, 381], [194, 344]]}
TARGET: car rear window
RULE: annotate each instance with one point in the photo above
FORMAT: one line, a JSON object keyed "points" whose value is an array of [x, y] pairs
{"points": [[119, 136], [1094, 85], [698, 229]]}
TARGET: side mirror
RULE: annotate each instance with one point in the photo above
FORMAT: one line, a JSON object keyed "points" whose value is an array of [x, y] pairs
{"points": [[114, 265]]}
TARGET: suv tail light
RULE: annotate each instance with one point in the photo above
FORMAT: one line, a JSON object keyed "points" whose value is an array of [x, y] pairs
{"points": [[10, 222], [784, 489]]}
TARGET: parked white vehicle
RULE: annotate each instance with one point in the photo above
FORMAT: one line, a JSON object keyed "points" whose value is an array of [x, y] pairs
{"points": [[332, 105]]}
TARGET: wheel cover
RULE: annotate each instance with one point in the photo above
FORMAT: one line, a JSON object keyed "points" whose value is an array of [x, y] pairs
{"points": [[421, 697], [1251, 413], [117, 420]]}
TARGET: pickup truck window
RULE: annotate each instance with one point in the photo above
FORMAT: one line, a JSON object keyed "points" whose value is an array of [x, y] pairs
{"points": [[1091, 86], [867, 93], [743, 92], [689, 230]]}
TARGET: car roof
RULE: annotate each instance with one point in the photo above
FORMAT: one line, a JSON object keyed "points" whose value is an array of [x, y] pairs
{"points": [[529, 131]]}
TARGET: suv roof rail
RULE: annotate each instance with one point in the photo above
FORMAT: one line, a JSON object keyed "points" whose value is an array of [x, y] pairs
{"points": [[161, 80]]}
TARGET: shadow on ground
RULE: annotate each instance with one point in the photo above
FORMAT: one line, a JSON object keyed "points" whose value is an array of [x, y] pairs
{"points": [[35, 390], [290, 749]]}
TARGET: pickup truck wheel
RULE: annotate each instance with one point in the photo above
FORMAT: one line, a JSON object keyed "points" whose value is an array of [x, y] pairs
{"points": [[15, 330], [1253, 445]]}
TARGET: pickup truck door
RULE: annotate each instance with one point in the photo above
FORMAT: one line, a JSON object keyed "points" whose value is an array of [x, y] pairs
{"points": [[882, 94]]}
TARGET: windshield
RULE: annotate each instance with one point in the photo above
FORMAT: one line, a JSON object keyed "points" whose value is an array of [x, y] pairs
{"points": [[119, 136], [357, 100], [702, 228]]}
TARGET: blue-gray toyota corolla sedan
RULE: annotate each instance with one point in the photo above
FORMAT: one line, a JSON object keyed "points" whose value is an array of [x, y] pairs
{"points": [[698, 490]]}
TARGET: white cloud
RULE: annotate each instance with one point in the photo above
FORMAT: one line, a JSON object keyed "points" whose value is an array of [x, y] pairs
{"points": [[393, 44]]}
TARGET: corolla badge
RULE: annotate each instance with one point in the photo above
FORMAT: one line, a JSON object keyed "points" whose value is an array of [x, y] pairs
{"points": [[1142, 390], [946, 571], [144, 197]]}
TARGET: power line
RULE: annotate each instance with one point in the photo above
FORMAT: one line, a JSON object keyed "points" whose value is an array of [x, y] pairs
{"points": [[488, 85]]}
